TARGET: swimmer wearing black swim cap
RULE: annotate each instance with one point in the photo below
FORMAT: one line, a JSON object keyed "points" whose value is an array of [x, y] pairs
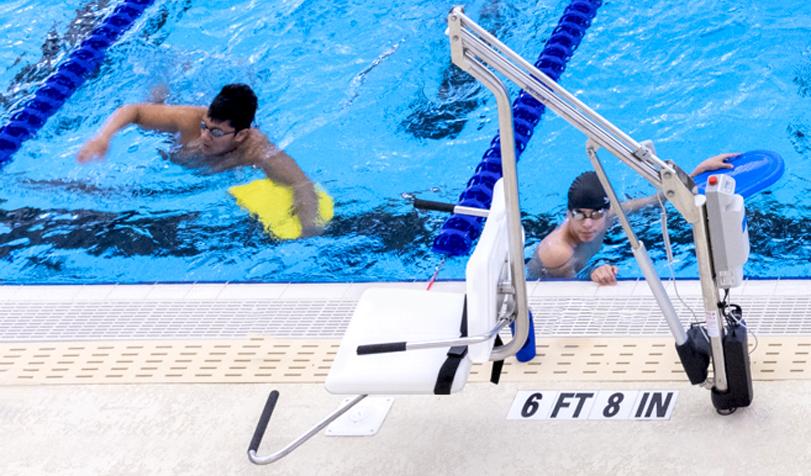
{"points": [[586, 191], [568, 249]]}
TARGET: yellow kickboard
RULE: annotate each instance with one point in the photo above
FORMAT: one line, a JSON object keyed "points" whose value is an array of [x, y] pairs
{"points": [[273, 205]]}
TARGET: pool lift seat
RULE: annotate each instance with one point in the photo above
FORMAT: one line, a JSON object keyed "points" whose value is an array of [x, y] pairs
{"points": [[407, 341], [398, 340]]}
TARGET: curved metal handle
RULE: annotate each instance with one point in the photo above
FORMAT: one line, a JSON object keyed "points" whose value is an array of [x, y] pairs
{"points": [[264, 419]]}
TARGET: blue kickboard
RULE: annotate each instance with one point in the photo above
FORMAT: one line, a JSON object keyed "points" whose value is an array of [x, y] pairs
{"points": [[753, 171]]}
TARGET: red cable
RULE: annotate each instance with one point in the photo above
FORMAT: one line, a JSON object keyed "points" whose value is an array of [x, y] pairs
{"points": [[436, 273]]}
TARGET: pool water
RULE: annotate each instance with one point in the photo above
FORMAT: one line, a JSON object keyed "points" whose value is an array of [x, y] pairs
{"points": [[363, 96]]}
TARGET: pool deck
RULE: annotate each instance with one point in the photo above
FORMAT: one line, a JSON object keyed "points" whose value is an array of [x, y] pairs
{"points": [[124, 391]]}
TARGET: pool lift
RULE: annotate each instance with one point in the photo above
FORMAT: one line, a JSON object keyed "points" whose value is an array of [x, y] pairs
{"points": [[717, 217], [405, 341]]}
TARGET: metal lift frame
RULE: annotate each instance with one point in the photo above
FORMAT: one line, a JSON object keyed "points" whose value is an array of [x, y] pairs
{"points": [[479, 53]]}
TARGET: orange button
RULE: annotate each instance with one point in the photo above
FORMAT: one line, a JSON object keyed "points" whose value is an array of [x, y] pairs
{"points": [[712, 180]]}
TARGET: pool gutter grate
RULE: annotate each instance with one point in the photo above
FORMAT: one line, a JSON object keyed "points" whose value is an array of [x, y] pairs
{"points": [[84, 320]]}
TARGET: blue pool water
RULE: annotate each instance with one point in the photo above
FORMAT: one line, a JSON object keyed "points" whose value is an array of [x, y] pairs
{"points": [[352, 91]]}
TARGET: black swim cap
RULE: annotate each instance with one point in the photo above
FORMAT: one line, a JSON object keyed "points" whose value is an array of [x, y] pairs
{"points": [[586, 191]]}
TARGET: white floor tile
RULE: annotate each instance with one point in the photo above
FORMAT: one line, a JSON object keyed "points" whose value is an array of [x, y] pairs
{"points": [[93, 292], [564, 288], [758, 287], [168, 291], [39, 293], [793, 287], [130, 292], [315, 291], [205, 291], [448, 286], [253, 291], [622, 288]]}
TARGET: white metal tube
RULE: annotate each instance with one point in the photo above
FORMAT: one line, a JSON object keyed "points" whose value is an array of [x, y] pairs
{"points": [[508, 169], [483, 43], [547, 82], [659, 293], [472, 340], [709, 291], [471, 211], [256, 459], [640, 253], [590, 126]]}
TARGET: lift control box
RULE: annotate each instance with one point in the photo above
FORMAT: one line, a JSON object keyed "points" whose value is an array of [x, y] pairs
{"points": [[729, 233]]}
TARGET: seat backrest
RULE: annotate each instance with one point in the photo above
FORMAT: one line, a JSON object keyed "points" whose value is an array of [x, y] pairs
{"points": [[486, 268]]}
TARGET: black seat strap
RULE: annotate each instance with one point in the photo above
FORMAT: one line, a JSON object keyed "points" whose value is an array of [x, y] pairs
{"points": [[495, 372], [447, 372]]}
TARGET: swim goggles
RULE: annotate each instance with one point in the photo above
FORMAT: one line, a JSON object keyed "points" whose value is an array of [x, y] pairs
{"points": [[581, 215], [215, 132]]}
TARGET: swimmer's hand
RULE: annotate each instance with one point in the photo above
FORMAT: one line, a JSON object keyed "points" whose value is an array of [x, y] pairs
{"points": [[605, 274], [314, 230], [310, 226], [716, 162], [95, 148]]}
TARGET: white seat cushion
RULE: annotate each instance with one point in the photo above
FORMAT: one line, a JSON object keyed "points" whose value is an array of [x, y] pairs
{"points": [[396, 315]]}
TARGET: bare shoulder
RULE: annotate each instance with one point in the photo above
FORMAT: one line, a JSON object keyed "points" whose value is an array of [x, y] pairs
{"points": [[258, 150], [278, 166], [555, 253]]}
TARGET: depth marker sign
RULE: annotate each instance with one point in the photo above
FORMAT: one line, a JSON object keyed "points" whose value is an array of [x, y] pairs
{"points": [[593, 405]]}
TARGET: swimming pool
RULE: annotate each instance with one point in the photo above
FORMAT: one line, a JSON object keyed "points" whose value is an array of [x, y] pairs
{"points": [[352, 91]]}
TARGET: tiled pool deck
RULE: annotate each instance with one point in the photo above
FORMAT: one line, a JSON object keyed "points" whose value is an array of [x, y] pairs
{"points": [[178, 423]]}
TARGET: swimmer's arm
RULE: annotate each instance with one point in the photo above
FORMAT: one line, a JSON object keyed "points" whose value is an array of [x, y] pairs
{"points": [[631, 206], [553, 261], [157, 117], [281, 168], [715, 162]]}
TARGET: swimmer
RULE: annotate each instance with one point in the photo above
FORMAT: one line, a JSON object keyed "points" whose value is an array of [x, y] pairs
{"points": [[565, 252], [216, 138]]}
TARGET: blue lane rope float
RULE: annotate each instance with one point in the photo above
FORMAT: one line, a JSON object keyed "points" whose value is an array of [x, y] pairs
{"points": [[460, 231], [67, 78]]}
